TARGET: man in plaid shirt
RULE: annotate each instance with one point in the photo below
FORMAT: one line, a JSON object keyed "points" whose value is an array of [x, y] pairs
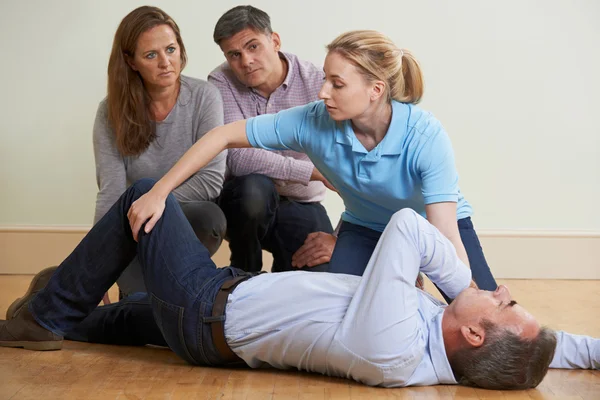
{"points": [[271, 198]]}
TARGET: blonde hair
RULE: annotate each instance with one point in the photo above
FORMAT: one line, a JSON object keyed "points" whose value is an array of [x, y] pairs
{"points": [[378, 58]]}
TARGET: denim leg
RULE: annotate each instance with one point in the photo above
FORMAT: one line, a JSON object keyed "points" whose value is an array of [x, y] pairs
{"points": [[209, 224], [249, 203], [293, 222], [128, 322], [88, 272], [482, 275], [353, 249], [177, 269]]}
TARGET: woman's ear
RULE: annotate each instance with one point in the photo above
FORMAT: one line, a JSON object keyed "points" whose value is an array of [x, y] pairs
{"points": [[378, 90]]}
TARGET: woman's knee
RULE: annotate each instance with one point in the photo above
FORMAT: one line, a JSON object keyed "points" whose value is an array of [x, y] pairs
{"points": [[207, 221], [249, 197]]}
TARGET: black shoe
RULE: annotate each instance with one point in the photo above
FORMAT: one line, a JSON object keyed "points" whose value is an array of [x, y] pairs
{"points": [[24, 331], [37, 283]]}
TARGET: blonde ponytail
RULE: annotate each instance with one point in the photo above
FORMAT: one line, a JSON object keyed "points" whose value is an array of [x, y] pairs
{"points": [[378, 58]]}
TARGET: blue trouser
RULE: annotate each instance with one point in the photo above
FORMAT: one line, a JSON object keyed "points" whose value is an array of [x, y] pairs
{"points": [[355, 245], [209, 224], [258, 218], [181, 279]]}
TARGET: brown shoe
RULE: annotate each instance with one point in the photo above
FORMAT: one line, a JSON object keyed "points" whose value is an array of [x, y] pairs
{"points": [[24, 331], [37, 283]]}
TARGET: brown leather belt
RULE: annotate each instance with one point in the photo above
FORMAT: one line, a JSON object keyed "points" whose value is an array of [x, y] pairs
{"points": [[218, 320]]}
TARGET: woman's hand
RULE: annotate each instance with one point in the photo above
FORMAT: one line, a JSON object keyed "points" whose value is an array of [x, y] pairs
{"points": [[150, 208], [317, 176]]}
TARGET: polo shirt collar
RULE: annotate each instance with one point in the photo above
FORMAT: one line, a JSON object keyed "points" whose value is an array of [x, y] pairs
{"points": [[394, 138], [391, 143]]}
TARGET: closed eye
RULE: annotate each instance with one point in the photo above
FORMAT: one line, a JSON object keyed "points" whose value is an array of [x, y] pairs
{"points": [[510, 304]]}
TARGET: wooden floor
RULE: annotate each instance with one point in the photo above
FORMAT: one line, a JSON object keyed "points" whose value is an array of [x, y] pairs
{"points": [[85, 371]]}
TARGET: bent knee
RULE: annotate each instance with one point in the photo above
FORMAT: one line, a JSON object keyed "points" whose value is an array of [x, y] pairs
{"points": [[405, 217], [206, 218], [250, 196]]}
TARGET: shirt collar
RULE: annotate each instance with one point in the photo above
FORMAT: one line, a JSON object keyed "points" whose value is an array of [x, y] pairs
{"points": [[437, 350], [290, 71], [394, 138]]}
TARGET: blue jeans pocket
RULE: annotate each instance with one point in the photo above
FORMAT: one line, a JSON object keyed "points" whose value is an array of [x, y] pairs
{"points": [[169, 319]]}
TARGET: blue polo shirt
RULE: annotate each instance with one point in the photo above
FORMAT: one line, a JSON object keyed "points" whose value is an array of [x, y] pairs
{"points": [[412, 166]]}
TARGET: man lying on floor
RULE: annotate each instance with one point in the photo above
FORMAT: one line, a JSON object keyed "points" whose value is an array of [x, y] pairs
{"points": [[377, 329]]}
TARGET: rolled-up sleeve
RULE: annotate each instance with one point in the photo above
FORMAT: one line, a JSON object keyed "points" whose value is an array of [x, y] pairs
{"points": [[281, 131], [437, 168]]}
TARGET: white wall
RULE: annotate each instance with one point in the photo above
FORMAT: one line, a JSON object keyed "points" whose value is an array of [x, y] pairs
{"points": [[516, 84]]}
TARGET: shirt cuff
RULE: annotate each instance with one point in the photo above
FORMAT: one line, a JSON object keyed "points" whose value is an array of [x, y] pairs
{"points": [[301, 171], [440, 198]]}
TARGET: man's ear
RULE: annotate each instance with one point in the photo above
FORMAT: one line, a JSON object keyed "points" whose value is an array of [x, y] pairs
{"points": [[474, 335], [378, 90], [130, 62], [276, 41]]}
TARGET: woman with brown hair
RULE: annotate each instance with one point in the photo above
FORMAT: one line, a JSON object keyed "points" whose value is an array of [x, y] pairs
{"points": [[151, 116]]}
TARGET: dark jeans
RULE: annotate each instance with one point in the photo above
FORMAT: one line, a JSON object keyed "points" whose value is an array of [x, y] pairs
{"points": [[355, 244], [209, 224], [181, 278], [258, 218]]}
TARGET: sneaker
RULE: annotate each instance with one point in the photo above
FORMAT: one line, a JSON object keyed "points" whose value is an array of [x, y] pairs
{"points": [[37, 283], [24, 331]]}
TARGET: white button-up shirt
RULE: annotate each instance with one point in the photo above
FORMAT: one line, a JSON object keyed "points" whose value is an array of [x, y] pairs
{"points": [[377, 329]]}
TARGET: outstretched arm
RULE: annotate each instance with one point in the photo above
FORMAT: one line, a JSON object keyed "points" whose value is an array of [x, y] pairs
{"points": [[576, 352], [270, 131], [150, 206]]}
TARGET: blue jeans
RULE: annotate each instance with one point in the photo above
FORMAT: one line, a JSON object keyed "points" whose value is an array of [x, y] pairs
{"points": [[209, 224], [181, 279], [355, 245], [258, 218]]}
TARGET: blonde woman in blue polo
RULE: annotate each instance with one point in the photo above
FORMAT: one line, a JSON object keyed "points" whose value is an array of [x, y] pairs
{"points": [[368, 141]]}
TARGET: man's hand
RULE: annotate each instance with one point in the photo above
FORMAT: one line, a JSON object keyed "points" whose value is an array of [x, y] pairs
{"points": [[149, 207], [317, 176], [317, 249]]}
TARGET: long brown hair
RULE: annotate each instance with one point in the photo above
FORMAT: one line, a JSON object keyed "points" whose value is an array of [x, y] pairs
{"points": [[378, 58], [128, 100]]}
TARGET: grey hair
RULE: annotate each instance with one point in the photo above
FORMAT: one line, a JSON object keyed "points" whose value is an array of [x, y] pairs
{"points": [[505, 361], [239, 18]]}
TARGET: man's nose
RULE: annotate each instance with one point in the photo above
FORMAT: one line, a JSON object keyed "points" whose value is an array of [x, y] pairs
{"points": [[247, 60], [503, 293]]}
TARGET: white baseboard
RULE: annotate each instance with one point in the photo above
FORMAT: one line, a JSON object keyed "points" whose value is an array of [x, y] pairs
{"points": [[510, 254], [542, 254]]}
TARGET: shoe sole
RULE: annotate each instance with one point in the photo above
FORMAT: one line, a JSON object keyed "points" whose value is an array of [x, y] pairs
{"points": [[17, 304], [37, 346]]}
